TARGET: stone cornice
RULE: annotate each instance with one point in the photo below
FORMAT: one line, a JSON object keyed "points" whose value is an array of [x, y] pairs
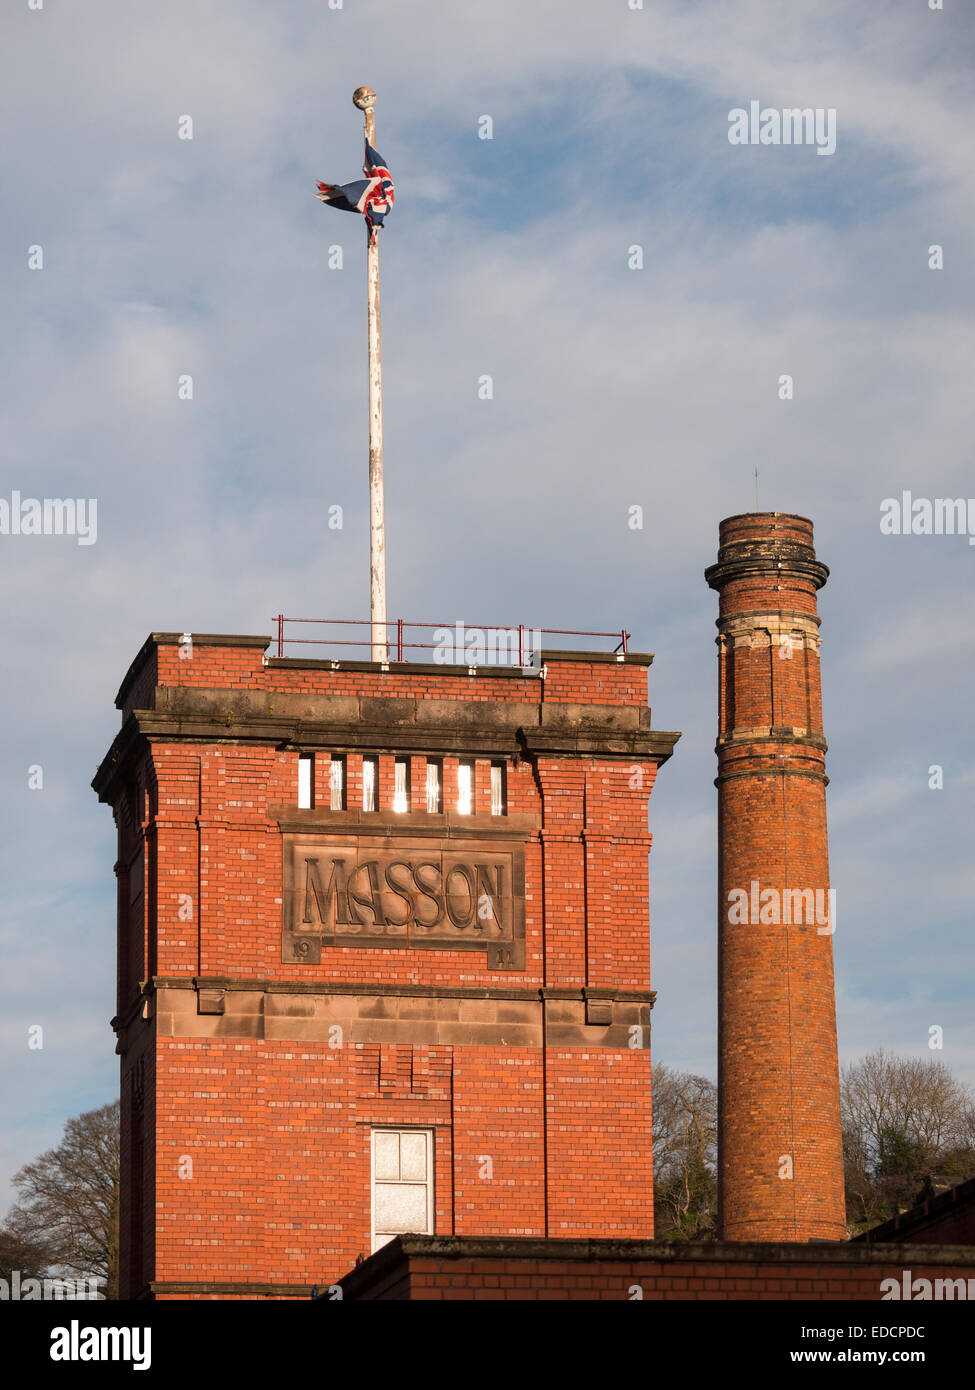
{"points": [[232, 984], [532, 993], [781, 617], [650, 746], [463, 728]]}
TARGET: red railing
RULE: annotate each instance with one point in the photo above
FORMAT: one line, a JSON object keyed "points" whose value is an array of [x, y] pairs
{"points": [[399, 644]]}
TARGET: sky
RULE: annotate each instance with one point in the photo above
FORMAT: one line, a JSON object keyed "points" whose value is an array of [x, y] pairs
{"points": [[613, 387]]}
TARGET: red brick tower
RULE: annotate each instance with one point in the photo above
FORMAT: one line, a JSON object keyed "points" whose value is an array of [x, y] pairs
{"points": [[383, 958], [780, 1164]]}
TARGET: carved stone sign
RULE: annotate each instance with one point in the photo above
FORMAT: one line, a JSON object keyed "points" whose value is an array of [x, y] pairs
{"points": [[468, 895]]}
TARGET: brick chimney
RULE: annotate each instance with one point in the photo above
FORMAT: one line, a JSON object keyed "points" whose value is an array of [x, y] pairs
{"points": [[780, 1162]]}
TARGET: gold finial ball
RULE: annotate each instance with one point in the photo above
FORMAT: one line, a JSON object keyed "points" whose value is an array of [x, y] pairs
{"points": [[364, 98]]}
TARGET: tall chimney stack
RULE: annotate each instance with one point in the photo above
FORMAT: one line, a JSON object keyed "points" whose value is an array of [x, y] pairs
{"points": [[780, 1158]]}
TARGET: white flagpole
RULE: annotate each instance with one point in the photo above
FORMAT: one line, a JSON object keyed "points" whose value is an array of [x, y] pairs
{"points": [[365, 99]]}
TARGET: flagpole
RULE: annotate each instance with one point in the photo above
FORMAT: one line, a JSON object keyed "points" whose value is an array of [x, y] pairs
{"points": [[365, 99]]}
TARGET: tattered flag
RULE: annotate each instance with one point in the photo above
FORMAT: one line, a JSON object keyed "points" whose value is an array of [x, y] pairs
{"points": [[373, 196]]}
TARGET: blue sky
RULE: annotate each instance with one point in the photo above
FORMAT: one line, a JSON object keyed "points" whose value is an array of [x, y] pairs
{"points": [[613, 387]]}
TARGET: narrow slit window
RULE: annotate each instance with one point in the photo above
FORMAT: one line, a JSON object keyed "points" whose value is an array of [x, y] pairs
{"points": [[306, 782], [465, 789], [434, 785], [369, 779], [499, 801], [336, 784], [401, 786]]}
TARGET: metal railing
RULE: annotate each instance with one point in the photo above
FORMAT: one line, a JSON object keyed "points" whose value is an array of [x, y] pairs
{"points": [[398, 643]]}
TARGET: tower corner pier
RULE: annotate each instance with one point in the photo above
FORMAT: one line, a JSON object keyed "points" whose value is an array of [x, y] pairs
{"points": [[780, 1160], [383, 957]]}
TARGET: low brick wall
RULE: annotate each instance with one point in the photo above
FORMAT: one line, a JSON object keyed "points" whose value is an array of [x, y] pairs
{"points": [[947, 1219], [440, 1268]]}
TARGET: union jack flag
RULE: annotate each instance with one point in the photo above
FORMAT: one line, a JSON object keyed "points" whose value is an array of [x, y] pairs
{"points": [[373, 196]]}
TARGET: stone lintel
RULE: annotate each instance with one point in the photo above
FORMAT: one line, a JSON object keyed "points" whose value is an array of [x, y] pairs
{"points": [[221, 1288], [441, 825]]}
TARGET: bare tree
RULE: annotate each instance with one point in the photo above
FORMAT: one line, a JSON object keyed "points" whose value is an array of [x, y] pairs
{"points": [[20, 1249], [66, 1214], [685, 1134], [905, 1120]]}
